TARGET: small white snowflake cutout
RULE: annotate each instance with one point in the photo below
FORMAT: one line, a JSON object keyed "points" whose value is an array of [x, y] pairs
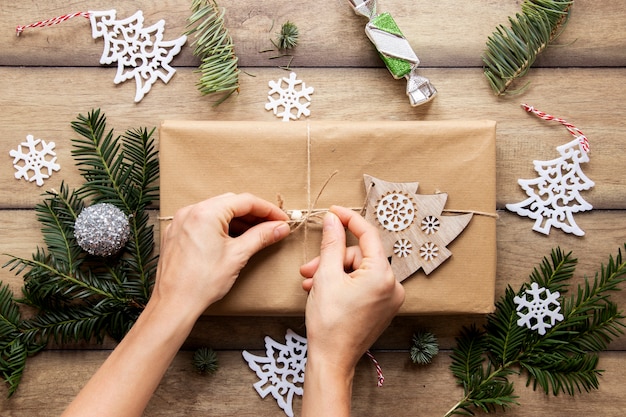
{"points": [[402, 248], [33, 163], [281, 371], [429, 251], [430, 225], [543, 304], [294, 102]]}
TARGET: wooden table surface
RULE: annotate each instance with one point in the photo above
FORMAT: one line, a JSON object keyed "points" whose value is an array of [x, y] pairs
{"points": [[49, 76]]}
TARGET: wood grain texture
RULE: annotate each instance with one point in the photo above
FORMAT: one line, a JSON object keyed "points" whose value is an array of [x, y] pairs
{"points": [[409, 390], [48, 76], [446, 34], [346, 94]]}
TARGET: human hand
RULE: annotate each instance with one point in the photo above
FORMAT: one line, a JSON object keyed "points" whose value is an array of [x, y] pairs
{"points": [[207, 244], [347, 311]]}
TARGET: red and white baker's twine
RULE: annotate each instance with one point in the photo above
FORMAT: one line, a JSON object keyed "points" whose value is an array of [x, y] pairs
{"points": [[379, 370], [584, 142], [49, 22]]}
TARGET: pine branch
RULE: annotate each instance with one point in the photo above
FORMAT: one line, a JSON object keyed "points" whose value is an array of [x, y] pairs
{"points": [[13, 349], [57, 215], [123, 172], [77, 296], [564, 360], [214, 46], [511, 51]]}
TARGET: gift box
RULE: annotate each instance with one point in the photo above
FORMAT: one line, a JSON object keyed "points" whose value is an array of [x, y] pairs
{"points": [[313, 165]]}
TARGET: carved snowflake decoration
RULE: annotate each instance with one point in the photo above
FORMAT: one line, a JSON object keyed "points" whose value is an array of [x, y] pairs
{"points": [[38, 158], [542, 305], [430, 224], [289, 98], [281, 371], [429, 251], [140, 53], [402, 248], [395, 211]]}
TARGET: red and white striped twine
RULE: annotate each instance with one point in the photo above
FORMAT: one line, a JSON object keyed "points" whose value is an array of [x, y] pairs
{"points": [[379, 370], [584, 142], [49, 22]]}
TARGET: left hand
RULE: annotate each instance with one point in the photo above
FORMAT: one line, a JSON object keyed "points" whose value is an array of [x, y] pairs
{"points": [[207, 244]]}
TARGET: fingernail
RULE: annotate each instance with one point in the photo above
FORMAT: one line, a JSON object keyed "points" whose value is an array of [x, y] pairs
{"points": [[281, 231], [329, 220]]}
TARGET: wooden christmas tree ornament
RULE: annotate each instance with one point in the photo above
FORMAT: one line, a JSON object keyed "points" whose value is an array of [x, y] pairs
{"points": [[413, 228]]}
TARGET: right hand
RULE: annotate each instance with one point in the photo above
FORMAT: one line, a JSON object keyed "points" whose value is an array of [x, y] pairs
{"points": [[353, 294]]}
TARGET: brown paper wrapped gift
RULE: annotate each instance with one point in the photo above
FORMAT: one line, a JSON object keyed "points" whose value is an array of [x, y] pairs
{"points": [[295, 160]]}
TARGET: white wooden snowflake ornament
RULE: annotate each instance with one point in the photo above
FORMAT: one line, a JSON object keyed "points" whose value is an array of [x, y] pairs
{"points": [[37, 162], [281, 371], [286, 100], [414, 231], [542, 305]]}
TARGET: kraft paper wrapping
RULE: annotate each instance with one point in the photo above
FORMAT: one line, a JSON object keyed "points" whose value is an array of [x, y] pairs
{"points": [[201, 159]]}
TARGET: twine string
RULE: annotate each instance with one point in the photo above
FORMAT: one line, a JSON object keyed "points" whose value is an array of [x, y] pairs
{"points": [[49, 22], [577, 133]]}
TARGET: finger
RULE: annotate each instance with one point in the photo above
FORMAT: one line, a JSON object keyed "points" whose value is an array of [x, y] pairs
{"points": [[239, 225], [307, 284], [261, 236], [249, 206], [369, 238], [333, 247], [352, 261], [308, 269]]}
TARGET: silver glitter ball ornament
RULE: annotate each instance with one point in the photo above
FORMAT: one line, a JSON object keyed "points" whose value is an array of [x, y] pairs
{"points": [[102, 229]]}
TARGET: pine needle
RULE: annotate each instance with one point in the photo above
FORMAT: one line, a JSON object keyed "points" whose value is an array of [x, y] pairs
{"points": [[511, 51], [214, 47]]}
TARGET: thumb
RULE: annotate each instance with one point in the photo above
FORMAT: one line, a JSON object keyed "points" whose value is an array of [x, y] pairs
{"points": [[333, 247], [261, 236]]}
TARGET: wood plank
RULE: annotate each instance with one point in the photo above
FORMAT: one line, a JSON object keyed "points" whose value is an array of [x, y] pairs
{"points": [[448, 34], [341, 94], [519, 251], [53, 379]]}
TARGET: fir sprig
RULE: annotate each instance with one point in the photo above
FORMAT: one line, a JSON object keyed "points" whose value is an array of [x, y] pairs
{"points": [[205, 360], [424, 348], [213, 45], [76, 296], [564, 360], [288, 36], [511, 51]]}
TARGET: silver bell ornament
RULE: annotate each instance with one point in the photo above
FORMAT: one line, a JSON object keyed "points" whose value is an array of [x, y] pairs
{"points": [[102, 229]]}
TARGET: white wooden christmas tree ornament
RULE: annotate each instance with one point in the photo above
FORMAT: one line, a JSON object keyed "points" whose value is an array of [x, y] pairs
{"points": [[140, 52], [554, 196]]}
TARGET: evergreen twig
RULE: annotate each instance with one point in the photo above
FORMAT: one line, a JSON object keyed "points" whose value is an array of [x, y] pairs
{"points": [[564, 360], [214, 47], [424, 348], [511, 51], [205, 360], [76, 296]]}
